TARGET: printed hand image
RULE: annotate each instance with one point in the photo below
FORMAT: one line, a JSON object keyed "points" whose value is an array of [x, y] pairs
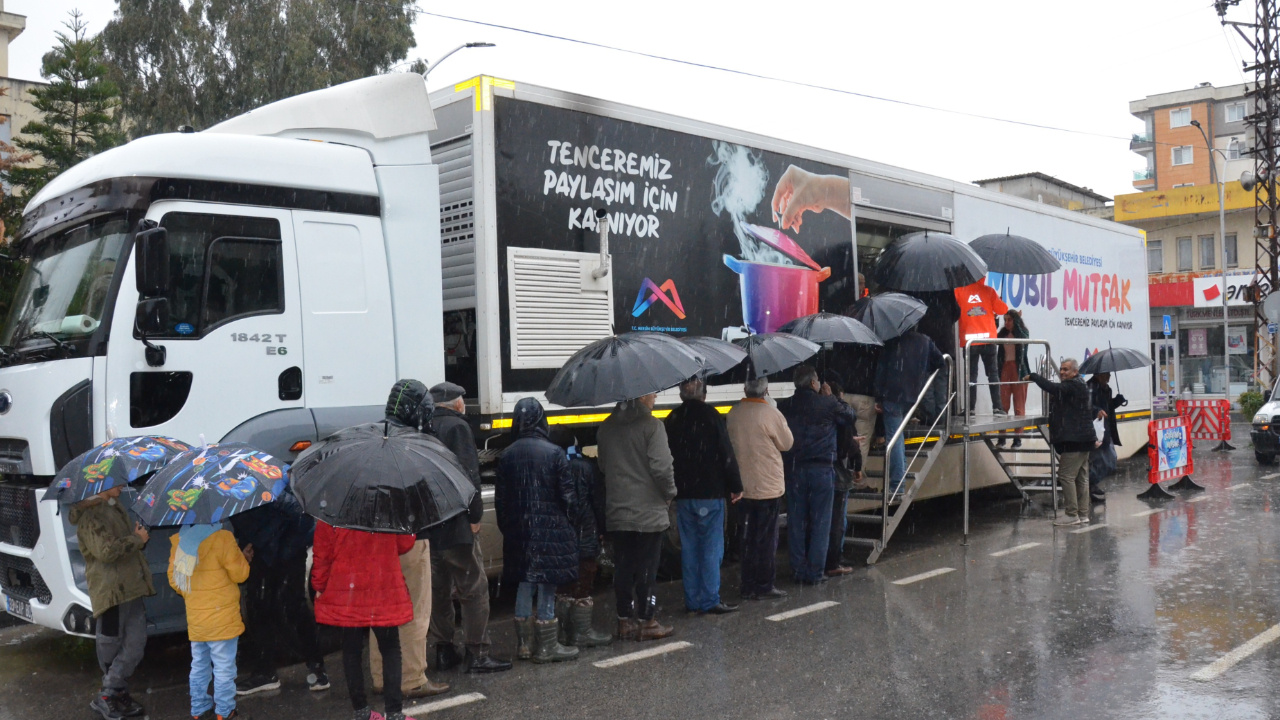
{"points": [[799, 190]]}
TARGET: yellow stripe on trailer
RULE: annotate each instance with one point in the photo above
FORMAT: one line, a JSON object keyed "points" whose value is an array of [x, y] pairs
{"points": [[505, 423]]}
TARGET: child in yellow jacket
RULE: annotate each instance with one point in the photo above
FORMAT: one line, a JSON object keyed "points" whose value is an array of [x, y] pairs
{"points": [[206, 567]]}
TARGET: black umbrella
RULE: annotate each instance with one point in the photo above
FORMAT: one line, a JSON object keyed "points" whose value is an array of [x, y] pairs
{"points": [[1014, 254], [831, 328], [381, 477], [1114, 360], [928, 261], [209, 484], [888, 314], [717, 356], [623, 367], [771, 353]]}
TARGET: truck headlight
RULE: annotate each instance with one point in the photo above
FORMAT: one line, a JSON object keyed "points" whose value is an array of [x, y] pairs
{"points": [[1260, 419]]}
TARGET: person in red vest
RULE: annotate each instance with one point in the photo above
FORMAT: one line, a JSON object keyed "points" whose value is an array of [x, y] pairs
{"points": [[979, 307]]}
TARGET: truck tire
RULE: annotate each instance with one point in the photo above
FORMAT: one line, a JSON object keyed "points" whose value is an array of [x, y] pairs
{"points": [[1264, 458]]}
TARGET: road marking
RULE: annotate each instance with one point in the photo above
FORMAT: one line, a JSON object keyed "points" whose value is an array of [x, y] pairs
{"points": [[1091, 528], [802, 610], [1226, 662], [1238, 486], [445, 704], [1272, 476], [1199, 498], [923, 576], [1146, 513], [642, 654], [1016, 548]]}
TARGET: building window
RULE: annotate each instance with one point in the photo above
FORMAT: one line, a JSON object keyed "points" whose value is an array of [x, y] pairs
{"points": [[1235, 112], [1206, 252], [1229, 251], [1183, 155], [1233, 149], [1180, 117], [1155, 257], [1184, 254]]}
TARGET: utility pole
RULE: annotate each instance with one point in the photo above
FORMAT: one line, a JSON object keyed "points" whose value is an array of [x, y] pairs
{"points": [[1263, 36]]}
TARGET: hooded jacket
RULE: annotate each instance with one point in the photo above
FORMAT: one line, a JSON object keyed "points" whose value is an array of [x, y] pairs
{"points": [[639, 479], [1070, 414], [358, 578], [213, 601], [452, 429], [114, 564], [905, 364], [588, 521], [534, 500], [702, 456], [279, 531], [813, 419]]}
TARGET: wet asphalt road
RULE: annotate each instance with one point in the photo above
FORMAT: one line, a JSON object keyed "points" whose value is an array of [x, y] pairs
{"points": [[1111, 623]]}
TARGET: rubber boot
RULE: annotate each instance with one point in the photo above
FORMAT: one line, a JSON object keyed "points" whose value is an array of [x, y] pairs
{"points": [[546, 647], [563, 604], [524, 638], [583, 634]]}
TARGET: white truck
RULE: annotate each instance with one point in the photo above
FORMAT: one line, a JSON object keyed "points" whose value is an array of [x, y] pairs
{"points": [[268, 279]]}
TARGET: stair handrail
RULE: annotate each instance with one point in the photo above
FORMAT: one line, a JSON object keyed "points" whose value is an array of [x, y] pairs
{"points": [[885, 496]]}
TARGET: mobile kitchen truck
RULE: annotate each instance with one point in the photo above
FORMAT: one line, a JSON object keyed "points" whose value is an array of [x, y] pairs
{"points": [[268, 280]]}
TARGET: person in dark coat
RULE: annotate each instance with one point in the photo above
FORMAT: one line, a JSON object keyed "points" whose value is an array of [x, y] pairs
{"points": [[1102, 460], [275, 595], [706, 474], [848, 477], [905, 365], [1071, 416], [456, 562], [575, 607], [813, 415], [534, 501], [939, 325]]}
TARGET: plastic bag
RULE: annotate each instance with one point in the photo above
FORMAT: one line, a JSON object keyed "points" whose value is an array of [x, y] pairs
{"points": [[1100, 429]]}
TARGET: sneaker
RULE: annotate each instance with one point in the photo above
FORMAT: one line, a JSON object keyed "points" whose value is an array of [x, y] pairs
{"points": [[235, 715], [129, 706], [1065, 520], [365, 713], [206, 715], [1083, 520], [772, 594], [106, 705], [1017, 443], [257, 683], [998, 411], [317, 679]]}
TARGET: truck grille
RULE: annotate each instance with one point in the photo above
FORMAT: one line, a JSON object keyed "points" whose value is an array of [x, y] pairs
{"points": [[20, 580], [19, 524]]}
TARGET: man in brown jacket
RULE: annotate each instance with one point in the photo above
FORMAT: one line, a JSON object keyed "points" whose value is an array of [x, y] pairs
{"points": [[760, 435], [119, 578]]}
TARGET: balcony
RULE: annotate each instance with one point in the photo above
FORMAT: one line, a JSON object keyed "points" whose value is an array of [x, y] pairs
{"points": [[1143, 175], [1141, 142]]}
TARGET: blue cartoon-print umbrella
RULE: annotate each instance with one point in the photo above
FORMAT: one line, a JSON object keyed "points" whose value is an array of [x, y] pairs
{"points": [[114, 463], [210, 484]]}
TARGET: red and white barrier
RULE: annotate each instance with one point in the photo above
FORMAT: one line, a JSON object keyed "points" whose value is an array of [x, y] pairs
{"points": [[1207, 419]]}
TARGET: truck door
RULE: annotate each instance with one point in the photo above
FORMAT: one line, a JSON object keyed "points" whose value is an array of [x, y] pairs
{"points": [[233, 344]]}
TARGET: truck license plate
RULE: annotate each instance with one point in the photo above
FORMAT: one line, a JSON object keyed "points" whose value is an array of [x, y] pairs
{"points": [[17, 607]]}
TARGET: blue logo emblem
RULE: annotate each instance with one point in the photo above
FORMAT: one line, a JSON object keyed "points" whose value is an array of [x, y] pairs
{"points": [[184, 328]]}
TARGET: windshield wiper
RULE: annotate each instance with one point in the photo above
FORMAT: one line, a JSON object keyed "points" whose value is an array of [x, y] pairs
{"points": [[61, 346]]}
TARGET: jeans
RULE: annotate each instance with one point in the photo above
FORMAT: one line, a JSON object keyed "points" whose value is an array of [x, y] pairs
{"points": [[809, 496], [894, 415], [635, 557], [461, 567], [388, 639], [988, 355], [216, 659], [121, 640], [277, 615], [701, 525], [759, 545], [839, 522], [546, 593]]}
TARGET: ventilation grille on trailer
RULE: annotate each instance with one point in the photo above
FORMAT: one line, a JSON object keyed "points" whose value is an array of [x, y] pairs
{"points": [[457, 223], [556, 306]]}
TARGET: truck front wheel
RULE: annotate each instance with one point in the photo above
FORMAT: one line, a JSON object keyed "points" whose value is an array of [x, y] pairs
{"points": [[1264, 458]]}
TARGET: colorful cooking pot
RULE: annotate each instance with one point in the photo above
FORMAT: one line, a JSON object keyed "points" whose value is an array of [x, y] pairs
{"points": [[774, 295]]}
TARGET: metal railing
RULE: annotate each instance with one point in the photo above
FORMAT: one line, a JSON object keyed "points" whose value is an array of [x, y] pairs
{"points": [[899, 435], [1143, 174]]}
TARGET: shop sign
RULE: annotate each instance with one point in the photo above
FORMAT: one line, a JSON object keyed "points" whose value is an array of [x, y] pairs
{"points": [[1237, 341], [1197, 342]]}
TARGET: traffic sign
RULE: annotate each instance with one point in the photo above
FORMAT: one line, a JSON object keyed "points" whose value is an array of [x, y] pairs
{"points": [[1168, 326]]}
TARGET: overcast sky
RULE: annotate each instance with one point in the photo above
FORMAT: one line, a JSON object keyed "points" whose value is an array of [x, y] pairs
{"points": [[1072, 65]]}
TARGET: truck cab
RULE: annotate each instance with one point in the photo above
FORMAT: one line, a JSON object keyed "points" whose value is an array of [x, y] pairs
{"points": [[264, 281]]}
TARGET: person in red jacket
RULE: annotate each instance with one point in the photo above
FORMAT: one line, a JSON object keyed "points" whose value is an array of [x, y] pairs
{"points": [[979, 306], [359, 587]]}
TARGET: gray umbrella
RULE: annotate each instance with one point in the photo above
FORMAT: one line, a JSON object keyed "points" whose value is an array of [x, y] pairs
{"points": [[718, 356], [1014, 254], [925, 261], [623, 367], [831, 328], [888, 314], [1114, 360], [771, 353]]}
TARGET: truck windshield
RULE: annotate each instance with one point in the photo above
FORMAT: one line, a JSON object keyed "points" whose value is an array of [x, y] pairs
{"points": [[63, 292]]}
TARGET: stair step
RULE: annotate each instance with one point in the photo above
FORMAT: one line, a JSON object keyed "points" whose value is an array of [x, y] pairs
{"points": [[1014, 463], [1036, 488], [1030, 451], [865, 519], [880, 474], [865, 542]]}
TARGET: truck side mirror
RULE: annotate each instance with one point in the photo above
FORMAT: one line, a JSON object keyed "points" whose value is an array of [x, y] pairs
{"points": [[1266, 396], [151, 255], [152, 318]]}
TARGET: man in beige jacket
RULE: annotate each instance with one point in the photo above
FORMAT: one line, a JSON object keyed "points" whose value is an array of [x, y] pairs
{"points": [[760, 435]]}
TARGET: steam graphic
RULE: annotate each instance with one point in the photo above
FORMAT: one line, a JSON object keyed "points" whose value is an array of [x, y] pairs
{"points": [[739, 187]]}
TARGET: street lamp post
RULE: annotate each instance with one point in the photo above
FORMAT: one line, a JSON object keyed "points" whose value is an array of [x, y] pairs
{"points": [[1216, 177], [463, 46]]}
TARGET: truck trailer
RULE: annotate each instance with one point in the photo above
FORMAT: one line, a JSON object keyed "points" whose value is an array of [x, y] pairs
{"points": [[268, 279]]}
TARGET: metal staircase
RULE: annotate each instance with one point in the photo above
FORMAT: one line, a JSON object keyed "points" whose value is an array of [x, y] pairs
{"points": [[1008, 459]]}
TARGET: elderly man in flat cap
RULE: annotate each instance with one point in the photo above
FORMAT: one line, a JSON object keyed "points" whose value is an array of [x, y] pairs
{"points": [[455, 550]]}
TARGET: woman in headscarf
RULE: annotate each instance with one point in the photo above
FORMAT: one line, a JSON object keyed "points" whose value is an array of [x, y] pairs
{"points": [[534, 500], [1013, 367]]}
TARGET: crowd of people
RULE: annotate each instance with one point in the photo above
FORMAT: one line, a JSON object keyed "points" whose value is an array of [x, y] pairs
{"points": [[395, 594]]}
